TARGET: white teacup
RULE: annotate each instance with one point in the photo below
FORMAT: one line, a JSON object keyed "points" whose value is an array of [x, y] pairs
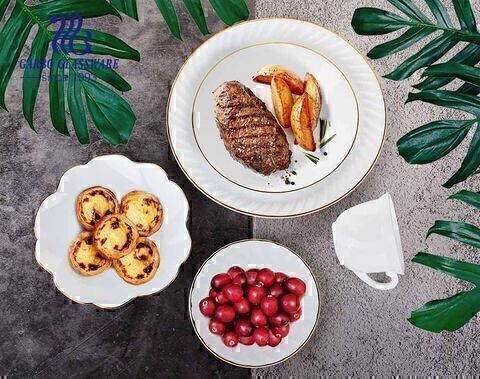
{"points": [[367, 241]]}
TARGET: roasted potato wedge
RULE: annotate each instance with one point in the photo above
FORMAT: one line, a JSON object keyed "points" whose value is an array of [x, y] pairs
{"points": [[266, 74], [282, 100], [314, 99], [301, 124]]}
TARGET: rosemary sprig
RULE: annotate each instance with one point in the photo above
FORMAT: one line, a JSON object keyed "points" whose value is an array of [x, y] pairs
{"points": [[312, 158], [324, 143]]}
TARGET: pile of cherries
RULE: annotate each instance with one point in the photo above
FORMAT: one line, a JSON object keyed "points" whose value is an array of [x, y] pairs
{"points": [[254, 306]]}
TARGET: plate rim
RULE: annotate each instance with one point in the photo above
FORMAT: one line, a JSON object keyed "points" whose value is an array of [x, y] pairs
{"points": [[190, 305], [283, 216]]}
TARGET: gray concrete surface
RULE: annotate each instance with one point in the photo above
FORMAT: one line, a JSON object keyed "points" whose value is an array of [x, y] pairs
{"points": [[362, 331]]}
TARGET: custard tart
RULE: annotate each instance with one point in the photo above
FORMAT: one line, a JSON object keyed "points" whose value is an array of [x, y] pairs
{"points": [[115, 236], [140, 265], [84, 258], [93, 204], [144, 210]]}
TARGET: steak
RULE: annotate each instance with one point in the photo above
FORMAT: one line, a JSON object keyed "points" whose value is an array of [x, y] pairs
{"points": [[249, 130]]}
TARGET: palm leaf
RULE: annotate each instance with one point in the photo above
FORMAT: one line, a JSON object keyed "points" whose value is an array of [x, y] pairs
{"points": [[68, 87]]}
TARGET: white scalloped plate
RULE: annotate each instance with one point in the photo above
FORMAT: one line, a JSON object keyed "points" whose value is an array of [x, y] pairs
{"points": [[56, 226], [348, 83]]}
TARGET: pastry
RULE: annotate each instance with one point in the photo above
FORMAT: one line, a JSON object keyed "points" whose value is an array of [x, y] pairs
{"points": [[93, 204], [84, 258], [140, 265], [144, 210], [115, 236]]}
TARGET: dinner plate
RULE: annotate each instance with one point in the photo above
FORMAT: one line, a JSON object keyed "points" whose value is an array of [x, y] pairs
{"points": [[249, 254], [56, 226], [353, 102]]}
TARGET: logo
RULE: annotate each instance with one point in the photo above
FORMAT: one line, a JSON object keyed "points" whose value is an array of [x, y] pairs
{"points": [[66, 35]]}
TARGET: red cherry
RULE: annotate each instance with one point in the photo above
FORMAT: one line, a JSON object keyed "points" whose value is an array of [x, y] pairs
{"points": [[279, 319], [212, 294], [244, 328], [265, 277], [230, 339], [276, 290], [242, 307], [251, 276], [295, 286], [280, 277], [273, 340], [269, 305], [217, 327], [290, 303], [296, 316], [221, 298], [207, 307], [240, 279], [250, 340], [233, 292], [220, 280], [261, 336], [225, 313], [256, 294], [234, 271], [258, 318], [281, 331]]}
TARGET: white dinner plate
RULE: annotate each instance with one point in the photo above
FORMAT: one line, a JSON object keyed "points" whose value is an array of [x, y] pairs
{"points": [[353, 103], [256, 254], [56, 226]]}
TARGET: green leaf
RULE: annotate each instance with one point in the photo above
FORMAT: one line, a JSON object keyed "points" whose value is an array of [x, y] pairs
{"points": [[111, 114], [440, 13], [3, 7], [87, 8], [471, 162], [468, 197], [128, 7], [231, 11], [433, 141], [465, 14], [109, 76], [410, 9], [469, 89], [461, 71], [76, 108], [456, 230], [196, 11], [57, 94], [170, 16], [32, 75], [449, 99], [374, 21]]}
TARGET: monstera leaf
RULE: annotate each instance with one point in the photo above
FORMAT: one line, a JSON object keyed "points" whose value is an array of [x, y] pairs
{"points": [[230, 11], [67, 72], [452, 313]]}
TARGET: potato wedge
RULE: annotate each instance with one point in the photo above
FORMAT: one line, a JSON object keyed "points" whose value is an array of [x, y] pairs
{"points": [[314, 99], [266, 74], [282, 101], [301, 124]]}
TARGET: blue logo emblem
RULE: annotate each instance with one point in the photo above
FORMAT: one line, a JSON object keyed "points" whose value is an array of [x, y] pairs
{"points": [[65, 36]]}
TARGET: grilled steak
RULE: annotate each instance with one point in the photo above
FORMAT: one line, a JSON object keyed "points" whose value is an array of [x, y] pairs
{"points": [[249, 131]]}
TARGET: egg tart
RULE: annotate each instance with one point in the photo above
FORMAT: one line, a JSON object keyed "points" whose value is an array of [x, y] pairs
{"points": [[145, 211], [115, 236], [84, 258], [140, 265], [93, 204]]}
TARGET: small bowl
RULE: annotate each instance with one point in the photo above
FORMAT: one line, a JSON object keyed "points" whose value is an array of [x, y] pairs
{"points": [[256, 254]]}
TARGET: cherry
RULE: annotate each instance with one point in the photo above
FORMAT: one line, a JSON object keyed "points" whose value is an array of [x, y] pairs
{"points": [[290, 303], [296, 316], [250, 340], [265, 277], [207, 307], [258, 318], [281, 331], [233, 292], [273, 340], [276, 290], [212, 294], [269, 305], [240, 279], [244, 328], [261, 336], [295, 286], [242, 307], [256, 294], [251, 276], [221, 298], [234, 271], [225, 313], [279, 319], [217, 327], [230, 339], [220, 280], [280, 277]]}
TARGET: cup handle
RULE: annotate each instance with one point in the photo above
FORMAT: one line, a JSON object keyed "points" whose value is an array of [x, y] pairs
{"points": [[379, 286]]}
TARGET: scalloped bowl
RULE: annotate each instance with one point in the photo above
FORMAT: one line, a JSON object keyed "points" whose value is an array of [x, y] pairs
{"points": [[56, 226]]}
